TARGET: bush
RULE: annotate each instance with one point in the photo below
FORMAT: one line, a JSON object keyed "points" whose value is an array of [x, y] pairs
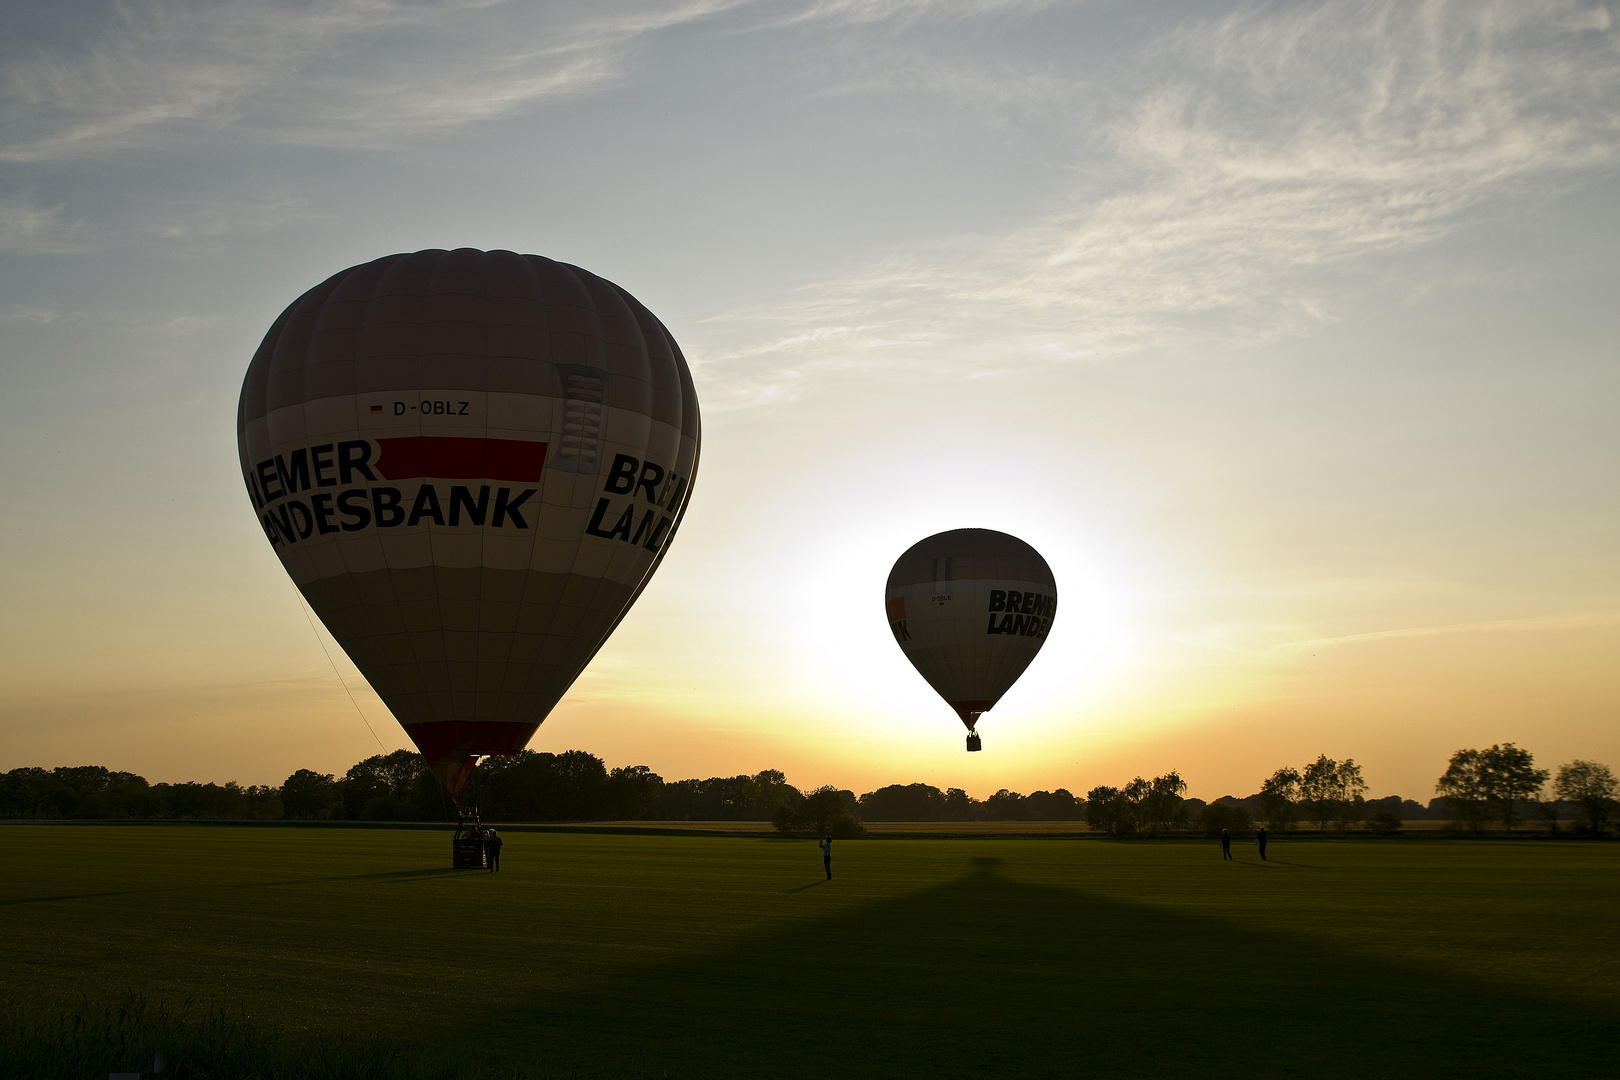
{"points": [[1384, 823], [813, 817], [1224, 813], [845, 827], [381, 808]]}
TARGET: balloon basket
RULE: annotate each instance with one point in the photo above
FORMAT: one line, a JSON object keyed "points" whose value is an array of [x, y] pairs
{"points": [[973, 742], [467, 846]]}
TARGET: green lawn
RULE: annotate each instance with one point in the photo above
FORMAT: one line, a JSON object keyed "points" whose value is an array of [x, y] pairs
{"points": [[694, 956]]}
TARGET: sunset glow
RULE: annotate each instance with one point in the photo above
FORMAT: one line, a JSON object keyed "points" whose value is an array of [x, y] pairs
{"points": [[1285, 333]]}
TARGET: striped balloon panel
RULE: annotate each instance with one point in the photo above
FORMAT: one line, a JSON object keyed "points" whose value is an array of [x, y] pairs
{"points": [[470, 463]]}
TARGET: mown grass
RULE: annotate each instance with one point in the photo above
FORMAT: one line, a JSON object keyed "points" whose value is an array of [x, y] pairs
{"points": [[353, 953]]}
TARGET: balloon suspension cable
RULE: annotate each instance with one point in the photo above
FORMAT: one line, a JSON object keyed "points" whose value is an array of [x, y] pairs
{"points": [[302, 606]]}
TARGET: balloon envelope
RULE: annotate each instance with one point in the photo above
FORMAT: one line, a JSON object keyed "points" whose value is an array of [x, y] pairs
{"points": [[970, 608], [470, 463]]}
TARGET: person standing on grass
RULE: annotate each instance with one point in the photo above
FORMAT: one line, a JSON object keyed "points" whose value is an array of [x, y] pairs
{"points": [[492, 849], [1260, 842], [1226, 844], [826, 855]]}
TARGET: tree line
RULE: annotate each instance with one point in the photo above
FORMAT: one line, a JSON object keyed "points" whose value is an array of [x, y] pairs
{"points": [[1481, 788]]}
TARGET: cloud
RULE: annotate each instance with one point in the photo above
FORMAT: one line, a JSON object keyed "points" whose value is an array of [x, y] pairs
{"points": [[1575, 620], [354, 73], [905, 13], [29, 228], [233, 217], [1255, 160], [38, 316]]}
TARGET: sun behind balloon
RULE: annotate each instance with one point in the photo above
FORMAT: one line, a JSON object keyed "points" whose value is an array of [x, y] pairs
{"points": [[970, 608], [470, 463]]}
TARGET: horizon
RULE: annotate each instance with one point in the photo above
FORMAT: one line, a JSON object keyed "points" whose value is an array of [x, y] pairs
{"points": [[1284, 333], [1078, 793]]}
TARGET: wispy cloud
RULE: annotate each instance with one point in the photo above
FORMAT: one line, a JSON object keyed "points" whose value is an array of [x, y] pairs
{"points": [[37, 316], [350, 73], [1575, 620], [904, 13], [1260, 154], [212, 220], [29, 228]]}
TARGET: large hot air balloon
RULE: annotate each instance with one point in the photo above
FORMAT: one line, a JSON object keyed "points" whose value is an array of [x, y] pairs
{"points": [[970, 609], [470, 463]]}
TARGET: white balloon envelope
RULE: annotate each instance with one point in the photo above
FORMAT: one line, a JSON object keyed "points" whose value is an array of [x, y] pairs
{"points": [[470, 463], [970, 609]]}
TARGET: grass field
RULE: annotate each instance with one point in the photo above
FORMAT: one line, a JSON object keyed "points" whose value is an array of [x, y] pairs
{"points": [[696, 956]]}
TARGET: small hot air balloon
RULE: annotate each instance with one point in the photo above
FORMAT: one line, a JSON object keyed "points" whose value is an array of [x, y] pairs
{"points": [[970, 609], [470, 463]]}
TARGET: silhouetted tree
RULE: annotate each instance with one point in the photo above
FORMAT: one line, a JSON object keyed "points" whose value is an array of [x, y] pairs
{"points": [[1401, 809], [384, 787], [726, 798], [1149, 805], [1108, 810], [531, 786], [26, 792], [1510, 778], [1463, 788], [308, 794], [1318, 790], [1059, 805], [192, 800], [1591, 787], [826, 811], [1548, 811], [1279, 796], [904, 802], [821, 806], [1349, 794], [1161, 807], [1224, 813], [771, 791], [1384, 822], [1479, 784], [633, 793], [1006, 805]]}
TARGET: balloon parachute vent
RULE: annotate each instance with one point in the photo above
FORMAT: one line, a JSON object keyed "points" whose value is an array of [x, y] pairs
{"points": [[973, 742]]}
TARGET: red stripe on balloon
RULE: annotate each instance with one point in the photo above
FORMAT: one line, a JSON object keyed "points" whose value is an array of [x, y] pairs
{"points": [[461, 459], [454, 739]]}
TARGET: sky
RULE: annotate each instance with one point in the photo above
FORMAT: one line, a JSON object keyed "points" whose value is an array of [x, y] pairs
{"points": [[1285, 332]]}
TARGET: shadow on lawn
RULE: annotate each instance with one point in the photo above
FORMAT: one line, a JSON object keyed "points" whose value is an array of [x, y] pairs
{"points": [[71, 896], [386, 876], [986, 976], [390, 876]]}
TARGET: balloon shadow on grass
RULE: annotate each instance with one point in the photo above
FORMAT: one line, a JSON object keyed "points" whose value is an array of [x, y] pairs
{"points": [[987, 976], [387, 876], [75, 896]]}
